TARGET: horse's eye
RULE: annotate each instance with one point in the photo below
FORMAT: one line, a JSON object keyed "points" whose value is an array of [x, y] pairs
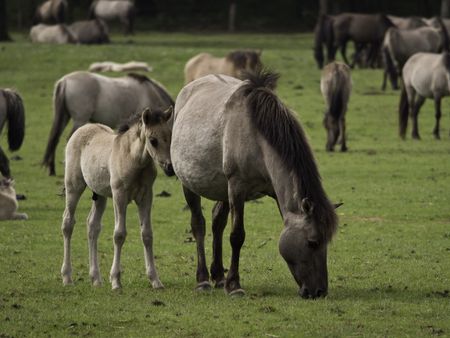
{"points": [[154, 142], [313, 244]]}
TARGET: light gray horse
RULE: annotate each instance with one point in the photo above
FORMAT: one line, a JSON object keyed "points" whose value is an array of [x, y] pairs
{"points": [[234, 141], [108, 10], [336, 86], [8, 201], [51, 12], [90, 32], [13, 112], [407, 22], [88, 97], [58, 34], [425, 75], [121, 166]]}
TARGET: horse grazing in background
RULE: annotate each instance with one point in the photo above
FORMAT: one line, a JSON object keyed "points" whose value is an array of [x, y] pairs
{"points": [[235, 141], [121, 166], [108, 10], [232, 65], [8, 201], [88, 97], [335, 31], [51, 12], [336, 86], [90, 32], [13, 112], [400, 45], [58, 34], [425, 75]]}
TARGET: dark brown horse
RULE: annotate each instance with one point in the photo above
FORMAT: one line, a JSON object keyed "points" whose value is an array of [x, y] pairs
{"points": [[90, 31]]}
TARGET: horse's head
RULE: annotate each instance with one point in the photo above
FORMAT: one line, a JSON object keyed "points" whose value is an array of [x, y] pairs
{"points": [[158, 135], [304, 249]]}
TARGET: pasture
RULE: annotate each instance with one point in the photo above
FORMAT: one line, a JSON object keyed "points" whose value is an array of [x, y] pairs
{"points": [[389, 264]]}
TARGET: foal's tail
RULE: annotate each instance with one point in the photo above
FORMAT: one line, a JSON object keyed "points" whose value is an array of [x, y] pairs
{"points": [[15, 113], [60, 120], [403, 111]]}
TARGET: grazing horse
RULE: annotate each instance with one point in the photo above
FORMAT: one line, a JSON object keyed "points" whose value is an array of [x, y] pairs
{"points": [[425, 75], [59, 34], [122, 10], [90, 32], [8, 201], [232, 65], [51, 12], [88, 97], [121, 166], [336, 86], [335, 31], [13, 112], [399, 45], [235, 141]]}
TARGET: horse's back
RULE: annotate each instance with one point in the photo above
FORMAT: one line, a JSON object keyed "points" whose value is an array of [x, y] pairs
{"points": [[199, 65], [336, 77], [112, 9]]}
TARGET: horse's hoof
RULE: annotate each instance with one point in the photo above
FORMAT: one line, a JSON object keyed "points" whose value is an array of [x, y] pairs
{"points": [[157, 285], [220, 284], [203, 286], [67, 281], [344, 149], [115, 285], [97, 283], [237, 293]]}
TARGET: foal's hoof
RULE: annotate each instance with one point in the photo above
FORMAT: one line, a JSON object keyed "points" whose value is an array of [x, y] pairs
{"points": [[237, 293], [203, 286], [157, 285], [67, 281], [116, 285]]}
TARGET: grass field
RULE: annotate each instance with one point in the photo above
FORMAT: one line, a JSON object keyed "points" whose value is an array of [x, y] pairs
{"points": [[389, 265]]}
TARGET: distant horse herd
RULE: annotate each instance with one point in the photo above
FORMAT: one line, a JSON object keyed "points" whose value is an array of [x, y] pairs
{"points": [[228, 137]]}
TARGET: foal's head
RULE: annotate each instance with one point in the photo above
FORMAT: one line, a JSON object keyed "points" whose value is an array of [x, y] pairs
{"points": [[157, 132]]}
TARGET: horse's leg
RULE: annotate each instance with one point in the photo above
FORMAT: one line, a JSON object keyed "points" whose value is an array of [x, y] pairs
{"points": [[144, 206], [120, 233], [415, 112], [344, 52], [4, 164], [94, 227], [219, 221], [342, 134], [198, 230], [437, 107], [237, 237]]}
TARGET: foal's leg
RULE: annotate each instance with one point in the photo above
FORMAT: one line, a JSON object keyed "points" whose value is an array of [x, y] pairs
{"points": [[144, 207], [219, 221], [120, 233], [94, 227], [342, 134], [415, 112], [437, 107], [198, 230]]}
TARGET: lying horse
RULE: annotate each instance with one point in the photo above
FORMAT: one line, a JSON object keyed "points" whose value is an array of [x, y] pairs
{"points": [[121, 166], [51, 12], [235, 141], [122, 10], [87, 97], [58, 34], [13, 112], [109, 66], [90, 32], [8, 201], [336, 86], [232, 65], [425, 75]]}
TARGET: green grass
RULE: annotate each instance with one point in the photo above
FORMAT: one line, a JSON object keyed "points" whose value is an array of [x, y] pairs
{"points": [[389, 265]]}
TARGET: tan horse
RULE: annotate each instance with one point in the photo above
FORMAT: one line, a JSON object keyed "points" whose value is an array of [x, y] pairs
{"points": [[8, 201], [120, 166], [232, 65]]}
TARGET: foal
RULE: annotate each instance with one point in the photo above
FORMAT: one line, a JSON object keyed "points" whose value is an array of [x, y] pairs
{"points": [[120, 166]]}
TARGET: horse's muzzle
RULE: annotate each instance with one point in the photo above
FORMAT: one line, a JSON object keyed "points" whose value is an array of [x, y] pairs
{"points": [[305, 293], [168, 169]]}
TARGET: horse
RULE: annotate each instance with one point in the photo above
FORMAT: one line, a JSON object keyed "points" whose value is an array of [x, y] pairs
{"points": [[235, 141], [13, 112], [8, 201], [109, 66], [336, 86], [122, 166], [335, 31], [88, 97], [90, 32], [399, 45], [407, 23], [122, 10], [51, 12], [233, 64], [59, 34], [425, 75]]}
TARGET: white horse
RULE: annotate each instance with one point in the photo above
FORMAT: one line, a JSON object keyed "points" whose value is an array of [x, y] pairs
{"points": [[120, 166], [88, 97], [51, 12], [122, 10], [8, 201], [58, 34]]}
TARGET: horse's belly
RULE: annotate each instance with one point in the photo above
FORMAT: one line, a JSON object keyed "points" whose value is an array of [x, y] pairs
{"points": [[96, 174]]}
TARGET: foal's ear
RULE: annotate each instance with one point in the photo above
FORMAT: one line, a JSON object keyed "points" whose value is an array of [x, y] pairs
{"points": [[146, 116], [307, 206], [168, 113]]}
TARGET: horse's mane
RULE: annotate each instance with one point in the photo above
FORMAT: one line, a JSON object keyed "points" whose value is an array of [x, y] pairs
{"points": [[239, 58], [283, 132], [161, 91], [158, 116]]}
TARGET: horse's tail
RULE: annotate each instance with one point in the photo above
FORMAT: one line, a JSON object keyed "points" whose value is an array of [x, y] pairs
{"points": [[91, 13], [336, 101], [403, 111], [60, 120], [15, 113], [319, 39], [445, 39], [389, 62], [60, 13]]}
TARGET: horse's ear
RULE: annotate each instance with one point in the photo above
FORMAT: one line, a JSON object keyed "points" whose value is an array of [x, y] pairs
{"points": [[168, 113], [337, 205], [307, 206], [146, 116]]}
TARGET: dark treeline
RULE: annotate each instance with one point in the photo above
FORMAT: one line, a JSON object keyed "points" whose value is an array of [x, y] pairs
{"points": [[257, 15]]}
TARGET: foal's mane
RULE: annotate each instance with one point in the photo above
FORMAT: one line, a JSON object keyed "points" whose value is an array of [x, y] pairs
{"points": [[283, 132], [158, 116]]}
